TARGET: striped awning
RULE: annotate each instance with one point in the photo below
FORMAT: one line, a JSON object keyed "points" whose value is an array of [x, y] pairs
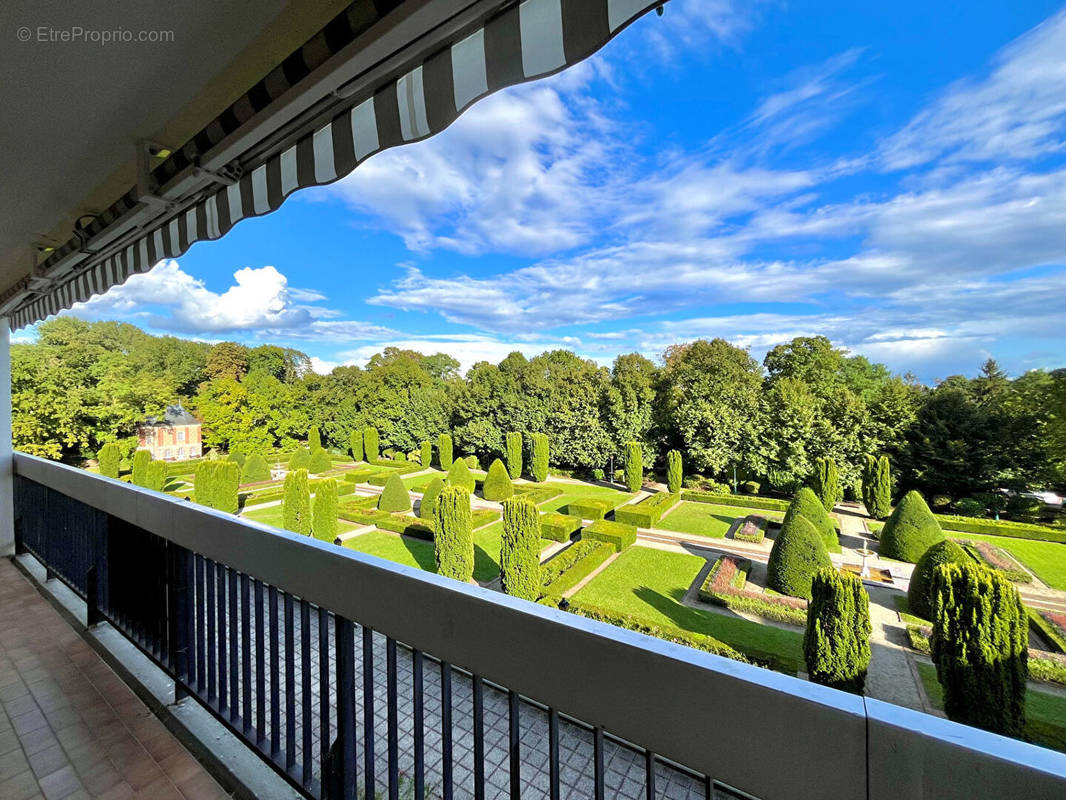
{"points": [[527, 40]]}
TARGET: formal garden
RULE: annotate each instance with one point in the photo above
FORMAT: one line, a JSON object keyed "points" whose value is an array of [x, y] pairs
{"points": [[772, 580]]}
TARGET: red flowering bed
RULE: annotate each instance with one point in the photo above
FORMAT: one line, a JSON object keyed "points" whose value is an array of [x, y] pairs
{"points": [[998, 559], [752, 529], [725, 587], [1057, 619]]}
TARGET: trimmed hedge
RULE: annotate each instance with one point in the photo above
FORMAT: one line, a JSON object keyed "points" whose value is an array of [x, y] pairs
{"points": [[589, 508], [371, 444], [540, 457], [836, 644], [992, 527], [497, 483], [429, 498], [426, 454], [559, 527], [1046, 629], [395, 496], [444, 451], [980, 647], [400, 467], [296, 508], [674, 473], [826, 482], [359, 475], [765, 503], [513, 447], [751, 529], [460, 475], [910, 531], [724, 587], [301, 459], [571, 566], [798, 553], [617, 534], [355, 445], [998, 559], [648, 511], [109, 459], [141, 458], [634, 467], [538, 494], [155, 476], [453, 544], [183, 467], [520, 547], [319, 462], [920, 591], [255, 469], [807, 504], [324, 511], [314, 440]]}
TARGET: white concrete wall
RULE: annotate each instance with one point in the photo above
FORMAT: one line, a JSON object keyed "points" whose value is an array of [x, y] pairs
{"points": [[7, 529]]}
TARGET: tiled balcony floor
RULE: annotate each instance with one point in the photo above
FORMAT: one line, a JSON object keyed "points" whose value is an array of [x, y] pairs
{"points": [[69, 726]]}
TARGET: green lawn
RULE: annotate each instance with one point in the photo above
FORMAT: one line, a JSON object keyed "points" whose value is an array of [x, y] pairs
{"points": [[417, 483], [274, 515], [650, 584], [1045, 712], [700, 519], [419, 553], [573, 492], [1046, 559]]}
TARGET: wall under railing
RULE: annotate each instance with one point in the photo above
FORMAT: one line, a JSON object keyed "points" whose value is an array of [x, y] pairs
{"points": [[356, 677]]}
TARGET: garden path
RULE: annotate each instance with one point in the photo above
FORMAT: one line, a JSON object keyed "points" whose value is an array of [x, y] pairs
{"points": [[891, 676]]}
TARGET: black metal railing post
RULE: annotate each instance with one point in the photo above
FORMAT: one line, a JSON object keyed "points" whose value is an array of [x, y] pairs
{"points": [[20, 545], [93, 616], [177, 619]]}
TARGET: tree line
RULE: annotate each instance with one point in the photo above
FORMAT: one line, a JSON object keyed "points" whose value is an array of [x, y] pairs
{"points": [[82, 384]]}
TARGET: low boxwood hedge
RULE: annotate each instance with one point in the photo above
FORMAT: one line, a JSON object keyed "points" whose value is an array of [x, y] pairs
{"points": [[647, 512], [744, 501], [572, 566], [360, 475], [589, 508], [992, 527], [559, 527], [724, 587], [1046, 630], [617, 534], [537, 494], [183, 467], [402, 467]]}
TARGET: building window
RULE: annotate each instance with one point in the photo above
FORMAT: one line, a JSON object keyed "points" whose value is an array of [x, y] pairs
{"points": [[181, 453], [181, 436]]}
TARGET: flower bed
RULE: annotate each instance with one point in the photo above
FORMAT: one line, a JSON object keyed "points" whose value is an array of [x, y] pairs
{"points": [[751, 529], [1051, 625], [997, 558], [725, 587]]}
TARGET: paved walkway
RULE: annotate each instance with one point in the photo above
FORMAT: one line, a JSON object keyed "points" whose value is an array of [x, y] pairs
{"points": [[69, 726]]}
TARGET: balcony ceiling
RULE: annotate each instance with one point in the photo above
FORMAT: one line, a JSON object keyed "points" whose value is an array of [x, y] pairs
{"points": [[73, 111]]}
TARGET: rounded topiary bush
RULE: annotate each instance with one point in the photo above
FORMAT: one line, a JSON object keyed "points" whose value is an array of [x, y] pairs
{"points": [[911, 530], [806, 503], [255, 469], [796, 557], [296, 506], [497, 482], [426, 454], [140, 466], [319, 462], [429, 498], [301, 459], [920, 592], [394, 497], [459, 475]]}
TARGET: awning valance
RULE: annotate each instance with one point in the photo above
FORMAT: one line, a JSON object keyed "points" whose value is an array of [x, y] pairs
{"points": [[525, 41]]}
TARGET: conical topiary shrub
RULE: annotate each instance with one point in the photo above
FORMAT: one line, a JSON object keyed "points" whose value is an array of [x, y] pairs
{"points": [[394, 497], [514, 454], [319, 462], [301, 459], [798, 553], [324, 511], [459, 475], [237, 456], [911, 530], [807, 504], [920, 591], [980, 646], [674, 474], [109, 458], [497, 482], [314, 440], [836, 644], [826, 482], [444, 451], [520, 549], [429, 498], [453, 540], [255, 469]]}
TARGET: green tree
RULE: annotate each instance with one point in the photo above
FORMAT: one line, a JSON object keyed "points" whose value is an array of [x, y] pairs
{"points": [[980, 647], [444, 451], [426, 454], [634, 467], [371, 444], [140, 466], [460, 475], [296, 506], [227, 360], [155, 476], [674, 475], [826, 482], [314, 440], [497, 483], [520, 548], [429, 498], [629, 403], [836, 643], [319, 462], [205, 484], [920, 589], [237, 456], [109, 458], [797, 555], [540, 457], [355, 444], [255, 469], [880, 502], [324, 512], [227, 481], [514, 454], [911, 530], [394, 496], [453, 541]]}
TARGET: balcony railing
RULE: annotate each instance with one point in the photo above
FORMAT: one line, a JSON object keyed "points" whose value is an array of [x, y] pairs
{"points": [[355, 677]]}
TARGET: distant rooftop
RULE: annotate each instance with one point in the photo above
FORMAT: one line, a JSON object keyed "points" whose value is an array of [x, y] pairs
{"points": [[174, 415]]}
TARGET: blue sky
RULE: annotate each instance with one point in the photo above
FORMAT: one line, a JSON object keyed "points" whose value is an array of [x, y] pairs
{"points": [[892, 176]]}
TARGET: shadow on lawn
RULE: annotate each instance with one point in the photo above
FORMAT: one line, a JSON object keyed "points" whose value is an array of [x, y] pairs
{"points": [[422, 552], [485, 566], [672, 609]]}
